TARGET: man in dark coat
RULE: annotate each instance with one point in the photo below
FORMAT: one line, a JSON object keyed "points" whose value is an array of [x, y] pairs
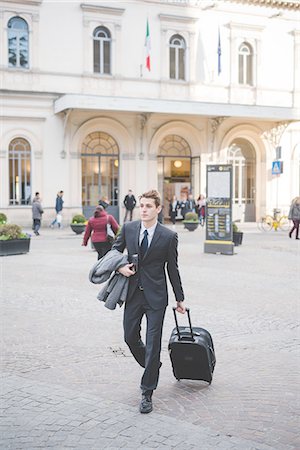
{"points": [[156, 247], [129, 203]]}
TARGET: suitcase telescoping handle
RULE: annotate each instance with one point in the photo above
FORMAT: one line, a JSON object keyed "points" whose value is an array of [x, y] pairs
{"points": [[190, 323]]}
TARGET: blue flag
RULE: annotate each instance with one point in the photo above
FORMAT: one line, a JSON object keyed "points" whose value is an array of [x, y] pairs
{"points": [[219, 52]]}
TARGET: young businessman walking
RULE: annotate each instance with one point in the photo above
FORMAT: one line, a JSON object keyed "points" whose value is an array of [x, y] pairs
{"points": [[156, 247]]}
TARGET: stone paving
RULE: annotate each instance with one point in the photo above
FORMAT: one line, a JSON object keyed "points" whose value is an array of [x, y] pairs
{"points": [[68, 380]]}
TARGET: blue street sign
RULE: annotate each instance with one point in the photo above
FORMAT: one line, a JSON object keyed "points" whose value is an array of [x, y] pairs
{"points": [[277, 167]]}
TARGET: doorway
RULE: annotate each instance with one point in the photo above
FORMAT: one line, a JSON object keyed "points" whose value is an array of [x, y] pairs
{"points": [[178, 172], [100, 173], [241, 155]]}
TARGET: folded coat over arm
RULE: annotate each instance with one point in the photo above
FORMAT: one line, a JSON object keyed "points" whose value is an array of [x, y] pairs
{"points": [[116, 288]]}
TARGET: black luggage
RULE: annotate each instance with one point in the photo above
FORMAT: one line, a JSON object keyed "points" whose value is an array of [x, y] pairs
{"points": [[192, 352]]}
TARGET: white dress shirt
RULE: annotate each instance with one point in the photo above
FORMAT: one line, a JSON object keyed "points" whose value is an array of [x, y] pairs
{"points": [[150, 230]]}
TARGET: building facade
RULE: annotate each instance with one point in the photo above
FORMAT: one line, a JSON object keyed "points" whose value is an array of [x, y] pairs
{"points": [[81, 111]]}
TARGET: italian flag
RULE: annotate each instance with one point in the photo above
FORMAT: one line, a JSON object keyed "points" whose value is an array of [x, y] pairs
{"points": [[148, 46]]}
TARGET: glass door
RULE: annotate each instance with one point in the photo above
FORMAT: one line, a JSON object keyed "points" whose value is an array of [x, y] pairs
{"points": [[242, 158], [100, 173]]}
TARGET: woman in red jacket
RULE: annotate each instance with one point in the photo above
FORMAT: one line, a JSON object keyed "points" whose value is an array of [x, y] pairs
{"points": [[96, 227]]}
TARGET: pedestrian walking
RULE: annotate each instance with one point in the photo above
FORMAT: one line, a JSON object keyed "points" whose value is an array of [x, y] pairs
{"points": [[37, 211], [173, 209], [294, 215], [129, 203], [58, 210], [154, 246], [97, 229], [200, 208]]}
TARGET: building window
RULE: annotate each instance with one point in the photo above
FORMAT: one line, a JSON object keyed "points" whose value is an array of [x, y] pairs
{"points": [[102, 50], [177, 57], [18, 43], [246, 64], [19, 172]]}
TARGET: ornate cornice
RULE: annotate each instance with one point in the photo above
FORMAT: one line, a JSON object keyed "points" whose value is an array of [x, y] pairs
{"points": [[279, 4]]}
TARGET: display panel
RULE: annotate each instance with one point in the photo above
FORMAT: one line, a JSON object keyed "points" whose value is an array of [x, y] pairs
{"points": [[219, 209]]}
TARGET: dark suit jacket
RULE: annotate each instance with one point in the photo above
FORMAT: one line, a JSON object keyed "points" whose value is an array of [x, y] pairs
{"points": [[129, 202], [151, 270]]}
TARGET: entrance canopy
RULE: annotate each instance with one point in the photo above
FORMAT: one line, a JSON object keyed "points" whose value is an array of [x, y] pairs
{"points": [[96, 102]]}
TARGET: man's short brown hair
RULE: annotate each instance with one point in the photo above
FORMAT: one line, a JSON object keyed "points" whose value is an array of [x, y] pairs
{"points": [[152, 194]]}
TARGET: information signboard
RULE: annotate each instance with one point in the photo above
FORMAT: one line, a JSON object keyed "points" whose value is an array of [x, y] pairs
{"points": [[219, 209]]}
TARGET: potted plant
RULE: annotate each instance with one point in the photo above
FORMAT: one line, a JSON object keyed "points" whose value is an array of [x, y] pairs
{"points": [[3, 219], [78, 223], [13, 241], [237, 235], [191, 221]]}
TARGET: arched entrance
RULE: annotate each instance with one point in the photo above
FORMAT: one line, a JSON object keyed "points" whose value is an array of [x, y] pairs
{"points": [[241, 154], [100, 172], [178, 172]]}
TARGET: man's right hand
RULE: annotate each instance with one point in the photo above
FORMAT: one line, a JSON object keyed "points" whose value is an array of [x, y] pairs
{"points": [[126, 271], [181, 307]]}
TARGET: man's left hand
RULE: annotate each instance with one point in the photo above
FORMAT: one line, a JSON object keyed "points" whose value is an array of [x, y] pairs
{"points": [[181, 307]]}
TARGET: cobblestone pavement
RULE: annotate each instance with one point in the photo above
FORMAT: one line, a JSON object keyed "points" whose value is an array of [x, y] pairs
{"points": [[68, 380]]}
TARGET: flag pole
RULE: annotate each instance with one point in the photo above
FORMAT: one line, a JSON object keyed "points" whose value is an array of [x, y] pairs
{"points": [[219, 51]]}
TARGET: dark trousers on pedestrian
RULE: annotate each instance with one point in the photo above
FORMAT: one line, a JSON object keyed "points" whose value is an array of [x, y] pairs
{"points": [[36, 225], [148, 356], [130, 212], [295, 227], [173, 215], [102, 248]]}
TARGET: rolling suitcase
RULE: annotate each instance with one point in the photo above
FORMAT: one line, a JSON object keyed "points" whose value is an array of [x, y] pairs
{"points": [[192, 352]]}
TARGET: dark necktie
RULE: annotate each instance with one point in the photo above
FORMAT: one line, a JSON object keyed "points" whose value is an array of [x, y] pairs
{"points": [[144, 244]]}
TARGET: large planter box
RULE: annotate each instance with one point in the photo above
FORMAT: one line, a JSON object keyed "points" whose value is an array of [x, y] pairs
{"points": [[14, 247], [78, 228], [191, 226], [237, 237]]}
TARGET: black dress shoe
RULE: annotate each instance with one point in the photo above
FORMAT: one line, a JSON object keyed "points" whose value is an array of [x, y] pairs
{"points": [[146, 404]]}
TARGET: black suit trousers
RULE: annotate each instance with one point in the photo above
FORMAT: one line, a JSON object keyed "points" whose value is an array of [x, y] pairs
{"points": [[148, 356], [130, 213]]}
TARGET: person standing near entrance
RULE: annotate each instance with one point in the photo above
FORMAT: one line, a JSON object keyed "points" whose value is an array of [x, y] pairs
{"points": [[200, 206], [129, 203], [58, 209], [173, 209], [104, 202], [37, 212], [294, 215], [190, 205], [156, 247]]}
